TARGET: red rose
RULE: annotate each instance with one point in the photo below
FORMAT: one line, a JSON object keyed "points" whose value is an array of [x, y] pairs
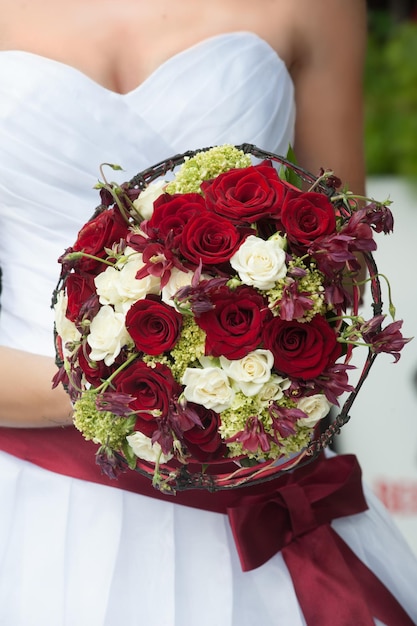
{"points": [[307, 217], [94, 371], [246, 195], [209, 238], [204, 442], [80, 291], [171, 213], [152, 389], [153, 325], [233, 326], [301, 350], [96, 235]]}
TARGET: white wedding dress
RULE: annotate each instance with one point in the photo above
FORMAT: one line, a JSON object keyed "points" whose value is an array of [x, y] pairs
{"points": [[76, 553]]}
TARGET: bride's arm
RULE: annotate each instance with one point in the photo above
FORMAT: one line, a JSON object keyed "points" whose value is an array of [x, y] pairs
{"points": [[26, 395], [328, 77]]}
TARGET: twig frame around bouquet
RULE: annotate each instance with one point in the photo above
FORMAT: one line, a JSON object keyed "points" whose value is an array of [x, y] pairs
{"points": [[233, 470]]}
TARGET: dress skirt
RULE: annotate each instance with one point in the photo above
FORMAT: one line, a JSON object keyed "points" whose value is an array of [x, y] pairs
{"points": [[76, 553]]}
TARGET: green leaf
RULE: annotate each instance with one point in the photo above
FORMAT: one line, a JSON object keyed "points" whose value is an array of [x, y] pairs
{"points": [[287, 173], [291, 155], [129, 455], [113, 166]]}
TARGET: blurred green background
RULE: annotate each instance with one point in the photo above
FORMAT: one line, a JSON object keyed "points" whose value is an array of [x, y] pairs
{"points": [[391, 89]]}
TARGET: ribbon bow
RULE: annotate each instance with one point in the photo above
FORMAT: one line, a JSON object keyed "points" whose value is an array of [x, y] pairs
{"points": [[331, 583]]}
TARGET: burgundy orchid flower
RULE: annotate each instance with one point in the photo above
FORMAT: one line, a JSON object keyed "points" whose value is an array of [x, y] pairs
{"points": [[163, 435], [336, 295], [159, 257], [71, 383], [361, 233], [379, 217], [199, 291], [332, 252], [138, 241], [334, 381], [253, 436], [284, 420], [159, 261], [184, 417], [110, 464], [389, 339], [115, 402], [293, 303]]}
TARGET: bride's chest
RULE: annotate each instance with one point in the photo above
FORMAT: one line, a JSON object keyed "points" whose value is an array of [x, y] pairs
{"points": [[120, 44], [231, 88]]}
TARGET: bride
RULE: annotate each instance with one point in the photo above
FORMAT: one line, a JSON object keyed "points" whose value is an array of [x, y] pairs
{"points": [[84, 82]]}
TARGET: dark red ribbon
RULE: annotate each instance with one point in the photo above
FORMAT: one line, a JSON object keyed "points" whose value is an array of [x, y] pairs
{"points": [[291, 514], [332, 585]]}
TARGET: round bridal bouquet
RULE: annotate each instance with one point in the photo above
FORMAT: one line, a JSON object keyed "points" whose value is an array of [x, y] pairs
{"points": [[206, 315]]}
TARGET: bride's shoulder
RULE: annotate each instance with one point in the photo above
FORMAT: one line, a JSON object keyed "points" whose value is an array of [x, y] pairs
{"points": [[324, 10], [330, 19], [305, 32], [327, 28]]}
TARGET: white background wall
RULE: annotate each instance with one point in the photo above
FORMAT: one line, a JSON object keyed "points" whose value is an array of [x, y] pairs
{"points": [[382, 431]]}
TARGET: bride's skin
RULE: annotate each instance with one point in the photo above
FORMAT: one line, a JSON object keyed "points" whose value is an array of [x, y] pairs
{"points": [[119, 44]]}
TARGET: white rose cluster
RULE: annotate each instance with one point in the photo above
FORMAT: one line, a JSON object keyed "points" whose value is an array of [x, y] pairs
{"points": [[214, 386], [118, 285]]}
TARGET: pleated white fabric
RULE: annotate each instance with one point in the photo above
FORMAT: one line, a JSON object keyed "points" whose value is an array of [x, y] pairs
{"points": [[74, 553]]}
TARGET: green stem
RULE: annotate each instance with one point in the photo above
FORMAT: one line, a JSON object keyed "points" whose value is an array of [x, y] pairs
{"points": [[359, 344], [321, 178], [73, 256], [112, 189], [348, 195], [112, 166], [108, 380], [391, 306]]}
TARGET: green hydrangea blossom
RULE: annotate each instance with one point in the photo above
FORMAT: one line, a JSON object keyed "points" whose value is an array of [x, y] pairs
{"points": [[205, 166], [100, 426], [311, 284], [188, 349], [234, 420], [291, 444], [151, 359]]}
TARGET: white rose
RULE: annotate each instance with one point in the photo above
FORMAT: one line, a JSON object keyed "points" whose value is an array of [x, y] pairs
{"points": [[209, 387], [108, 335], [120, 287], [144, 202], [316, 407], [106, 285], [66, 329], [273, 389], [251, 372], [260, 263], [143, 447], [177, 280]]}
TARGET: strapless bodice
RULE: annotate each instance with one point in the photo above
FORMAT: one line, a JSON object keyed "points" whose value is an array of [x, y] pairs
{"points": [[57, 126]]}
